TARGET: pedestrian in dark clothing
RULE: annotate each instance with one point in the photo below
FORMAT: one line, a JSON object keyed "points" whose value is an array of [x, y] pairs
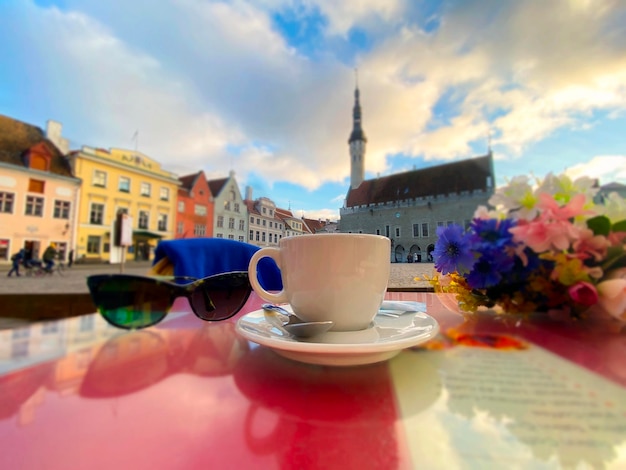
{"points": [[70, 259], [16, 259]]}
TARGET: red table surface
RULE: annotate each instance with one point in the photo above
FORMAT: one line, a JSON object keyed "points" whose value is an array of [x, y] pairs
{"points": [[77, 393]]}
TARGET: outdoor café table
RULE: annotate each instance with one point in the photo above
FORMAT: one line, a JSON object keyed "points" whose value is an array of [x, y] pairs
{"points": [[485, 393]]}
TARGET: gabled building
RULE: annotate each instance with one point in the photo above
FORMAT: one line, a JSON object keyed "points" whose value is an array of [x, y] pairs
{"points": [[38, 192], [292, 225], [408, 207], [194, 212], [122, 181], [319, 226], [230, 218], [265, 227]]}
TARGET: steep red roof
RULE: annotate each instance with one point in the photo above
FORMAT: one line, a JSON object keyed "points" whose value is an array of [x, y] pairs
{"points": [[188, 181], [465, 175], [18, 138]]}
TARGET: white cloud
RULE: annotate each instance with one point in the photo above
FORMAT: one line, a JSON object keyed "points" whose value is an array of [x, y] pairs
{"points": [[199, 79], [606, 168]]}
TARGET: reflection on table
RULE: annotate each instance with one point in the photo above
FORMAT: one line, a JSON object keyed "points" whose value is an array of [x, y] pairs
{"points": [[486, 393]]}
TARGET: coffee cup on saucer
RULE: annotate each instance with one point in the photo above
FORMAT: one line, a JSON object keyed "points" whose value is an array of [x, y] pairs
{"points": [[340, 277]]}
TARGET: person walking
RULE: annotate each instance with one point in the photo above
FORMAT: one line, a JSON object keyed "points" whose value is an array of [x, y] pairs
{"points": [[70, 259], [17, 258]]}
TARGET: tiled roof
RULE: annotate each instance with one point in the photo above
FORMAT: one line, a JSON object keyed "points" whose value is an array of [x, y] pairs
{"points": [[465, 175], [188, 181], [17, 137], [313, 225], [216, 185], [251, 207]]}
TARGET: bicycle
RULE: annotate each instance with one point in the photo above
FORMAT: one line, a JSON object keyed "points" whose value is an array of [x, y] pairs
{"points": [[38, 269]]}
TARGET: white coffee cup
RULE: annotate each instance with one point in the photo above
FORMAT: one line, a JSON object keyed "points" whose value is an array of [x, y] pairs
{"points": [[340, 277]]}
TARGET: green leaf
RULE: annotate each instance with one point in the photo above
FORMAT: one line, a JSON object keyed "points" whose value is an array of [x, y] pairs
{"points": [[619, 226], [600, 225]]}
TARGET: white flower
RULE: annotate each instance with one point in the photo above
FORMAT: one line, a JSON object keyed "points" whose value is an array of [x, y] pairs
{"points": [[516, 200]]}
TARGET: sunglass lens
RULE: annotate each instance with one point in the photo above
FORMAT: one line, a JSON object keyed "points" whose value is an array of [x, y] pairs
{"points": [[220, 297], [131, 303]]}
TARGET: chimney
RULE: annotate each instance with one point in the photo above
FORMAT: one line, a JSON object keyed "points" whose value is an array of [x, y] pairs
{"points": [[53, 133], [248, 193]]}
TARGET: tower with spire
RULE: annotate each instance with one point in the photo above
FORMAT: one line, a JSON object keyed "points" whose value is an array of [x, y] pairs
{"points": [[357, 143]]}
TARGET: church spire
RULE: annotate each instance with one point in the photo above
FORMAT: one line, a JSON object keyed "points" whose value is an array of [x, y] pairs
{"points": [[357, 130], [357, 141]]}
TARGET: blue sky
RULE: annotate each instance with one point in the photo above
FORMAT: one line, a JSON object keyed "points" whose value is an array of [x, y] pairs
{"points": [[266, 87]]}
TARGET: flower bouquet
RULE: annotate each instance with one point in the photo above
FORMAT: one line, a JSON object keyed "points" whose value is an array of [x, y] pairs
{"points": [[552, 246]]}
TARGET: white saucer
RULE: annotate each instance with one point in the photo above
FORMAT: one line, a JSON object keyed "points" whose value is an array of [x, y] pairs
{"points": [[383, 340]]}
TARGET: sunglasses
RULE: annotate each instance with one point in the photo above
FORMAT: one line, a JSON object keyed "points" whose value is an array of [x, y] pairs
{"points": [[133, 302]]}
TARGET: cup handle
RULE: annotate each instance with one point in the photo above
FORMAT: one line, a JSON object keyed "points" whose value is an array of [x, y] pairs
{"points": [[273, 253]]}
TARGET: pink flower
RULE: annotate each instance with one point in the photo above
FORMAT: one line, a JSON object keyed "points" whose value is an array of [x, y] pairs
{"points": [[543, 235], [552, 210], [583, 293], [613, 294], [590, 245]]}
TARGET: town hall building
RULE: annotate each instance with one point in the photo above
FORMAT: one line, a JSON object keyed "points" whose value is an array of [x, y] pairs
{"points": [[408, 207]]}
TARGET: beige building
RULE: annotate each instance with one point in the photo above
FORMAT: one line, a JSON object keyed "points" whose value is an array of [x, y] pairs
{"points": [[122, 181], [38, 193]]}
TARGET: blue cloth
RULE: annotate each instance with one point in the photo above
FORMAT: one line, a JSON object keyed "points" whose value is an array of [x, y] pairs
{"points": [[202, 257]]}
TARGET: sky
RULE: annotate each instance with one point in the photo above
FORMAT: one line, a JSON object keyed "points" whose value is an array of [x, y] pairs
{"points": [[266, 88]]}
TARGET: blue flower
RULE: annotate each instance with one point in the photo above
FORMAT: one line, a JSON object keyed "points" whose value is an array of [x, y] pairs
{"points": [[452, 251], [493, 232], [492, 266]]}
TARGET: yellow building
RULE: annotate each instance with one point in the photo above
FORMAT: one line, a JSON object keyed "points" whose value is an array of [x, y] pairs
{"points": [[125, 181]]}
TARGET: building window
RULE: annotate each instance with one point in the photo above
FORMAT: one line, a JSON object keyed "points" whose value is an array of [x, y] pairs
{"points": [[181, 206], [242, 225], [467, 224], [180, 227], [220, 221], [236, 207], [251, 220], [257, 236], [199, 209], [6, 202], [165, 194], [241, 238], [231, 237], [145, 189], [264, 210], [440, 224], [93, 245], [387, 233], [96, 214], [199, 230], [144, 220], [4, 249], [231, 223], [251, 234], [377, 231], [219, 235], [425, 229], [227, 205], [124, 184], [162, 222], [397, 232], [449, 223], [264, 222], [61, 209], [271, 213], [416, 230], [34, 206], [99, 179], [262, 236]]}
